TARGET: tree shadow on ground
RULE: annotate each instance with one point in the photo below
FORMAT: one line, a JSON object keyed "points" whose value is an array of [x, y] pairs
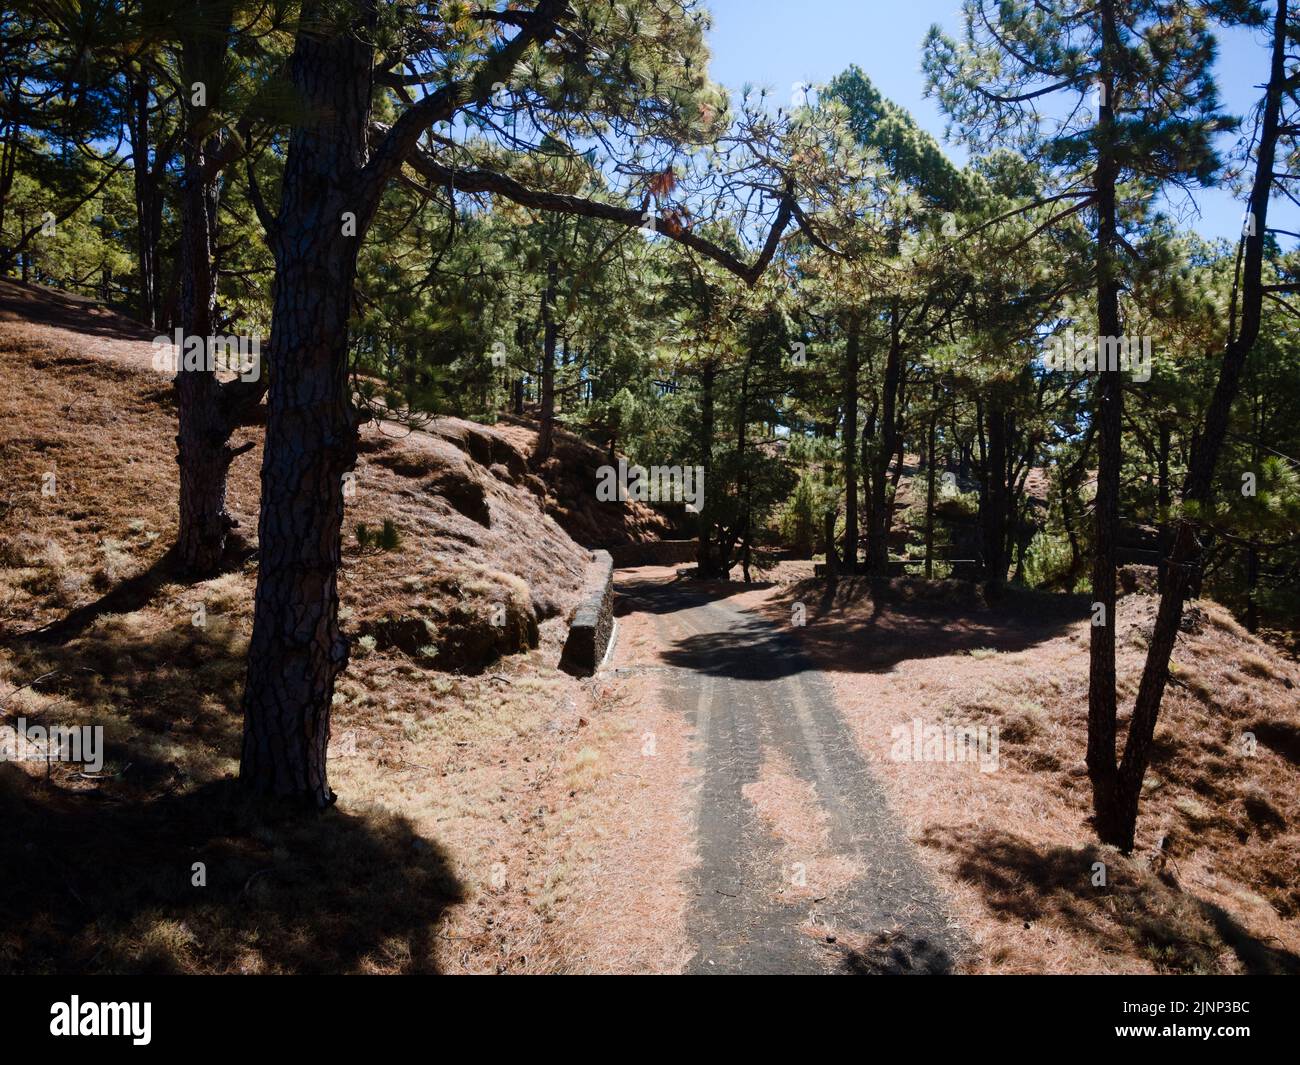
{"points": [[749, 650], [168, 698], [97, 867], [134, 593], [1279, 736], [1137, 913], [95, 885], [659, 596], [910, 620], [24, 303], [857, 625], [898, 954]]}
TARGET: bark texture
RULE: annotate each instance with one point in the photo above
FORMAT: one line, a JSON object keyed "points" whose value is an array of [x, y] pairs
{"points": [[546, 433], [297, 647], [202, 449], [704, 558], [1108, 399], [207, 411], [878, 538], [1186, 559], [851, 360]]}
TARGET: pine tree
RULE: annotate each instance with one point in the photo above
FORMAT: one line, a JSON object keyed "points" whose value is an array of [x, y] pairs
{"points": [[1117, 100]]}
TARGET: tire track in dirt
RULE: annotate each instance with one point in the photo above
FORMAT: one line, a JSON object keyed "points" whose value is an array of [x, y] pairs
{"points": [[753, 700]]}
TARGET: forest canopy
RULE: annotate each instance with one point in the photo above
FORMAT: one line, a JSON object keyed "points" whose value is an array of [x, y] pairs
{"points": [[548, 211]]}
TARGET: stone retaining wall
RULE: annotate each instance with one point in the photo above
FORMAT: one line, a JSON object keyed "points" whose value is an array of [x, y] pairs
{"points": [[655, 553], [593, 620]]}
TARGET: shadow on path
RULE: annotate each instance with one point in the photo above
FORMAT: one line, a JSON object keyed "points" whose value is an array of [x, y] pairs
{"points": [[839, 639], [754, 700]]}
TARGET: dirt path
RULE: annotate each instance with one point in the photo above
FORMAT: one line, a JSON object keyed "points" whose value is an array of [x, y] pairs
{"points": [[802, 867]]}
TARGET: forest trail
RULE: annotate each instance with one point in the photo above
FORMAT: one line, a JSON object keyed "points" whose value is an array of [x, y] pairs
{"points": [[802, 867]]}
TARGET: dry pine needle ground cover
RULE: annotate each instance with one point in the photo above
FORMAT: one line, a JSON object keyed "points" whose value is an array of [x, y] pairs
{"points": [[1214, 882], [486, 823], [508, 820]]}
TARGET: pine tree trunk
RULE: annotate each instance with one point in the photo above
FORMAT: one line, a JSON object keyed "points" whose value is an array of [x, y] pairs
{"points": [[727, 554], [865, 454], [205, 420], [147, 200], [546, 435], [929, 487], [1163, 499], [832, 559], [851, 446], [203, 433], [878, 537], [9, 149], [1186, 559], [1252, 587], [995, 504], [1108, 399], [297, 647], [704, 553]]}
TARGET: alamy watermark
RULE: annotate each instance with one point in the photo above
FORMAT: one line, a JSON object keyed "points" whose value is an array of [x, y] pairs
{"points": [[919, 742], [1091, 354], [656, 484], [57, 743], [232, 352], [77, 1018]]}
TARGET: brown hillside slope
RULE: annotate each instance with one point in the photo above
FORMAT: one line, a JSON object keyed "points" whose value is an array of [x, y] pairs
{"points": [[472, 805], [570, 477], [1214, 885], [458, 492]]}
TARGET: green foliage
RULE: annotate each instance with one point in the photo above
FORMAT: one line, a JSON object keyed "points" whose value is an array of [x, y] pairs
{"points": [[911, 154], [800, 517], [389, 539], [961, 273], [1047, 560], [386, 538]]}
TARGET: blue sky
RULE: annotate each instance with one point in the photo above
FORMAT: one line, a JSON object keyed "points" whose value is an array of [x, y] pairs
{"points": [[775, 43]]}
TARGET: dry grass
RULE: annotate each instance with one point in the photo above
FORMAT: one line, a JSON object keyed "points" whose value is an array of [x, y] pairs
{"points": [[789, 808], [1214, 883], [485, 823]]}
